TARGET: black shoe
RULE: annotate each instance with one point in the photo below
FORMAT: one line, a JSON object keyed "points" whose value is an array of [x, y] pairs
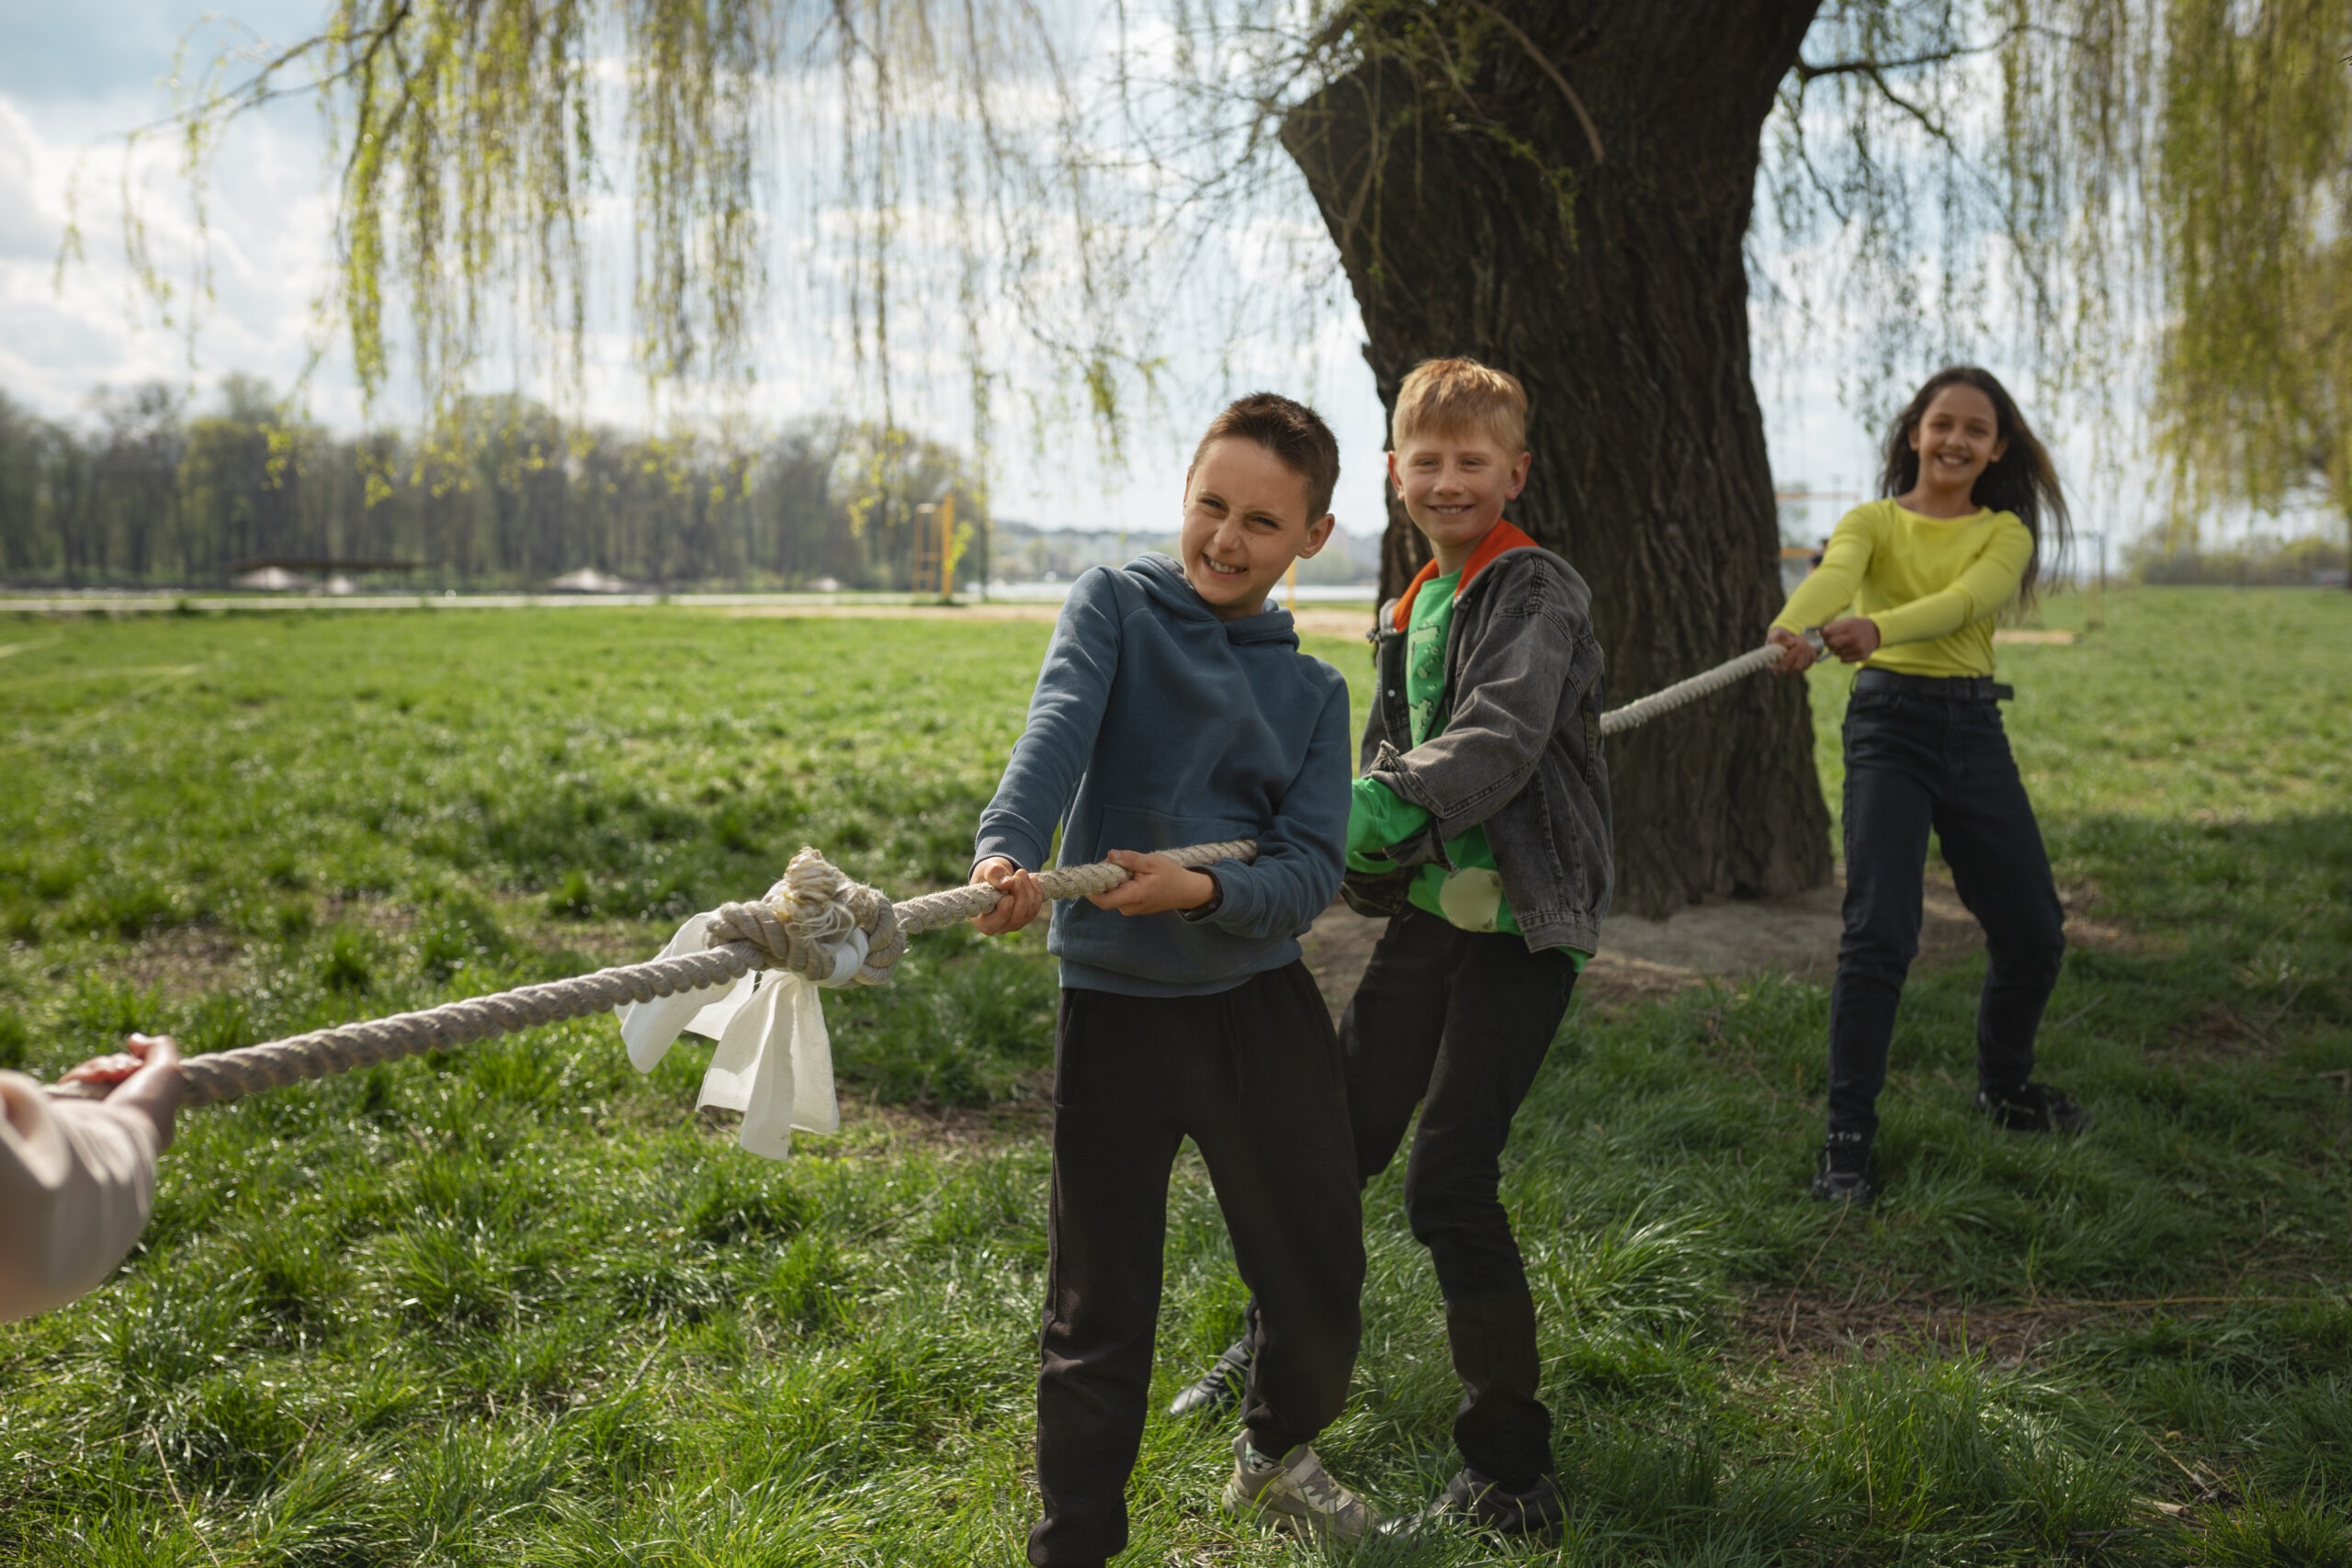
{"points": [[1844, 1174], [1220, 1389], [1476, 1502], [2033, 1108]]}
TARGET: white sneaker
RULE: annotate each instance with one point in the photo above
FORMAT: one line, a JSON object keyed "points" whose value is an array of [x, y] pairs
{"points": [[1294, 1493]]}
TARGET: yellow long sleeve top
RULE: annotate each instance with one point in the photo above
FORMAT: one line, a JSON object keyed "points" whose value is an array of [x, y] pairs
{"points": [[1932, 585]]}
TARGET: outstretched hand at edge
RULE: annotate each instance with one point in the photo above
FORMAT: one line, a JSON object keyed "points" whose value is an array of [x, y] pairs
{"points": [[146, 1073]]}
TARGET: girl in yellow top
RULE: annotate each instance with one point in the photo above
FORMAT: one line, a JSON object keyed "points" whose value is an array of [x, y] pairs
{"points": [[1972, 504]]}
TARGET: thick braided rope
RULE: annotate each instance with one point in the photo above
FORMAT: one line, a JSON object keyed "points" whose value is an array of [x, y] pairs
{"points": [[1643, 709], [220, 1076], [799, 927], [944, 908]]}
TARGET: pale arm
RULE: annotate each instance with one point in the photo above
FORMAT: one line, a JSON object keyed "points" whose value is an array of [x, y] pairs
{"points": [[77, 1180]]}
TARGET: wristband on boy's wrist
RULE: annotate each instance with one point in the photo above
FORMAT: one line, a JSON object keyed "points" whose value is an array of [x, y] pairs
{"points": [[1216, 900]]}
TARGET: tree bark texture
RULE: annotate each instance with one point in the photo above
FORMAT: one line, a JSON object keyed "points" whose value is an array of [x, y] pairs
{"points": [[1475, 220]]}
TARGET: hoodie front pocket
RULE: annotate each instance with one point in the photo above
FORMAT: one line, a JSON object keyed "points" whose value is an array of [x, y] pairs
{"points": [[1152, 832]]}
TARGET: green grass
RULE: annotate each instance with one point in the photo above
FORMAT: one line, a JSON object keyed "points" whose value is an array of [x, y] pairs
{"points": [[513, 1305]]}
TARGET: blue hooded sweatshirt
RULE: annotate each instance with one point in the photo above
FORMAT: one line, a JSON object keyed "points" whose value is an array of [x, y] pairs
{"points": [[1156, 725]]}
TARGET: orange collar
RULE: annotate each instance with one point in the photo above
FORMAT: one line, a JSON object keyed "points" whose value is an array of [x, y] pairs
{"points": [[1503, 536]]}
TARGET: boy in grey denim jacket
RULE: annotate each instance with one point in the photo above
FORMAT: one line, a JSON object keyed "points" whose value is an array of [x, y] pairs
{"points": [[1480, 827]]}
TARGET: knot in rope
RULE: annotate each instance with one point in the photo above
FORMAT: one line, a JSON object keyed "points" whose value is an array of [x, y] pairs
{"points": [[806, 921]]}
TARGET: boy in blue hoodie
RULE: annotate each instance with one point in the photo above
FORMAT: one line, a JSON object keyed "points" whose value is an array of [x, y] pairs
{"points": [[1174, 708], [1480, 827]]}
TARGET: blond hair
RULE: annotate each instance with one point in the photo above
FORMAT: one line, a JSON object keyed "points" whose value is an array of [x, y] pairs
{"points": [[1452, 395]]}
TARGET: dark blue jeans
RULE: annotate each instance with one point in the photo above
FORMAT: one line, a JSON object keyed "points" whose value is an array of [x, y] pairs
{"points": [[1915, 762]]}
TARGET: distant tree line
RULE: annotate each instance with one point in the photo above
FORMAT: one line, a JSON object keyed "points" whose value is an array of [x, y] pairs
{"points": [[503, 493], [2260, 561]]}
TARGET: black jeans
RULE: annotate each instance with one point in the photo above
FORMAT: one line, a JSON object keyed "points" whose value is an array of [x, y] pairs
{"points": [[1915, 762], [1458, 1023], [1252, 1075]]}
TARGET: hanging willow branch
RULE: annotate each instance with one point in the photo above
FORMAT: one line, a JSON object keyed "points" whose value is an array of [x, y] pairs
{"points": [[2076, 186], [2255, 395]]}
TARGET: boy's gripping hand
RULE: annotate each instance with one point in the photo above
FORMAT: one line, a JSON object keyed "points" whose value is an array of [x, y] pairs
{"points": [[1154, 883], [1022, 897]]}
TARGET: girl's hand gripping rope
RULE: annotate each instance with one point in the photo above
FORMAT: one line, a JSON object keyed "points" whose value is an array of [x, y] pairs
{"points": [[1800, 651], [1852, 639]]}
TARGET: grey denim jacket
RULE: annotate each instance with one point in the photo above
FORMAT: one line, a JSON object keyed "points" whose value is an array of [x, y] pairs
{"points": [[1520, 751]]}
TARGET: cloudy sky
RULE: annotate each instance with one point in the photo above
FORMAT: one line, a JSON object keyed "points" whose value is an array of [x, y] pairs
{"points": [[74, 77]]}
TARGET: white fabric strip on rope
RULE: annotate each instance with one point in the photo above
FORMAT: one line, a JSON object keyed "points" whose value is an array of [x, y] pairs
{"points": [[773, 1061]]}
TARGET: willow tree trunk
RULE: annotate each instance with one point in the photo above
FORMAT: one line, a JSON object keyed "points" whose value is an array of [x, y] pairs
{"points": [[1473, 218]]}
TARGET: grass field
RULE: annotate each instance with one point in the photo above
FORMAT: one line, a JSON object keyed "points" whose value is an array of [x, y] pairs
{"points": [[514, 1306]]}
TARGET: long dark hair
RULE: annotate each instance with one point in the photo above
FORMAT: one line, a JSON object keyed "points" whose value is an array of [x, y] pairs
{"points": [[2022, 480]]}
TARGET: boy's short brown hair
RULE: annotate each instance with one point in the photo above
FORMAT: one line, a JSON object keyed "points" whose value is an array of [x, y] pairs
{"points": [[1444, 395], [1294, 433]]}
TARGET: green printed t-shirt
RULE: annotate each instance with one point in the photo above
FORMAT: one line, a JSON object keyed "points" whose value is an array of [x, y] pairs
{"points": [[1379, 816]]}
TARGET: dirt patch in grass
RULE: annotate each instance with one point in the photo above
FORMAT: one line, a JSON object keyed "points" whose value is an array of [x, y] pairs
{"points": [[1642, 959], [2219, 1030], [870, 1127], [187, 960], [1798, 1330], [599, 942], [1028, 1114]]}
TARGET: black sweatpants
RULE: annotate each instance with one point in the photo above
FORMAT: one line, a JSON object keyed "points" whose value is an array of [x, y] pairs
{"points": [[1914, 762], [1252, 1075], [1458, 1023]]}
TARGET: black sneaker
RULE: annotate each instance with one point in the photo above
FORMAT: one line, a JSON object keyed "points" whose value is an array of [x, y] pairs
{"points": [[1476, 1502], [1844, 1174], [1219, 1388], [2033, 1108]]}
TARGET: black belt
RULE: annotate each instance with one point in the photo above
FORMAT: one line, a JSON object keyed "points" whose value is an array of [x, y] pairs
{"points": [[1953, 688]]}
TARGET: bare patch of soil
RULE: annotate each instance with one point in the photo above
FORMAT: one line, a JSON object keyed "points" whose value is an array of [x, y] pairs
{"points": [[870, 1127], [1794, 934], [601, 941], [185, 961], [957, 1127], [2220, 1030], [1802, 1328]]}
